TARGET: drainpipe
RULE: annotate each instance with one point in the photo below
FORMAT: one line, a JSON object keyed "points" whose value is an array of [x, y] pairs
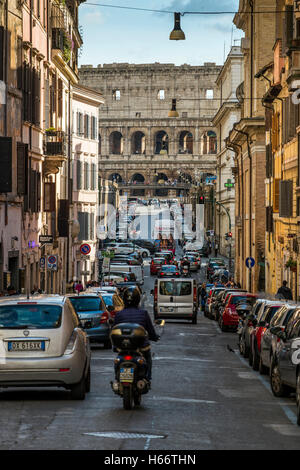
{"points": [[251, 56], [250, 199]]}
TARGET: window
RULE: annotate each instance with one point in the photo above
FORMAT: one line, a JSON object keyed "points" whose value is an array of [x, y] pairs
{"points": [[86, 176], [138, 115], [209, 94], [79, 174], [93, 127], [161, 95], [86, 126], [286, 198], [116, 95]]}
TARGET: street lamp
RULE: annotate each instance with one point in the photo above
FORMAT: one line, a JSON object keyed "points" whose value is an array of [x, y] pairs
{"points": [[177, 34]]}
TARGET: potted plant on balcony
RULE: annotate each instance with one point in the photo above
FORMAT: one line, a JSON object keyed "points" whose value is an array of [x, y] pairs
{"points": [[67, 45], [292, 265], [51, 131]]}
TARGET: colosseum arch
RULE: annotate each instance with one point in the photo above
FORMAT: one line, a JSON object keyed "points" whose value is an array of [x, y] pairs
{"points": [[115, 177], [138, 143], [161, 143], [136, 179], [186, 142], [209, 142], [116, 143]]}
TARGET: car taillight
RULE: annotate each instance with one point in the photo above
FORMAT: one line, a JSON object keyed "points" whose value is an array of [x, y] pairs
{"points": [[195, 294], [155, 294], [71, 344], [152, 262], [128, 358], [104, 317]]}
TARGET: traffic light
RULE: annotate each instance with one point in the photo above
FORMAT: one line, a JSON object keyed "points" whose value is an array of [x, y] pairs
{"points": [[201, 199], [228, 235]]}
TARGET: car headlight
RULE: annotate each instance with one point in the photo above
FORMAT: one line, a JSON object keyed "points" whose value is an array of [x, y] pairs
{"points": [[71, 344]]}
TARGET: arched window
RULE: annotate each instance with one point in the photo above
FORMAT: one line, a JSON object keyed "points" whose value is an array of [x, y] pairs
{"points": [[161, 144], [135, 181], [209, 143], [161, 179], [138, 143], [185, 142], [116, 143], [115, 178]]}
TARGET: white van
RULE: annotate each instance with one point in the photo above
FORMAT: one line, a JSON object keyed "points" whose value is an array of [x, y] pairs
{"points": [[176, 299], [125, 268]]}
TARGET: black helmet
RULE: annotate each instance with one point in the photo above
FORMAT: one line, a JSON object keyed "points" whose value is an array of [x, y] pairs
{"points": [[131, 297]]}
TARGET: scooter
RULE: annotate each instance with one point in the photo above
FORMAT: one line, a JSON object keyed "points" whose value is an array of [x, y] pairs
{"points": [[130, 365]]}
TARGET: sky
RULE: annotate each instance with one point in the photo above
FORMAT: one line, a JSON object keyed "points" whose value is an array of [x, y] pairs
{"points": [[119, 35]]}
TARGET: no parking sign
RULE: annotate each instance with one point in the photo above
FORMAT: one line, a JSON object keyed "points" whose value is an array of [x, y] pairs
{"points": [[52, 262], [85, 249]]}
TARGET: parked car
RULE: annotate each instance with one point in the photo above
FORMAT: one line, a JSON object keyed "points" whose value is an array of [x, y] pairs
{"points": [[244, 337], [168, 271], [284, 369], [230, 318], [266, 312], [222, 300], [216, 291], [94, 317], [43, 344], [176, 299], [269, 340]]}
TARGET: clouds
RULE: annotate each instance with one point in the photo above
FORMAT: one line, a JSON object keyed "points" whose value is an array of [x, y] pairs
{"points": [[203, 5]]}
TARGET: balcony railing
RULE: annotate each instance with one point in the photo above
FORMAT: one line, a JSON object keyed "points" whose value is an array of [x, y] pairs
{"points": [[55, 143]]}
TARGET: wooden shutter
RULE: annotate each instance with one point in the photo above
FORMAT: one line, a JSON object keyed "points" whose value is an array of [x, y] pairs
{"points": [[286, 198], [47, 107], [78, 174], [81, 220], [60, 98], [87, 225], [92, 226], [63, 217], [6, 164], [22, 167], [276, 195], [49, 197]]}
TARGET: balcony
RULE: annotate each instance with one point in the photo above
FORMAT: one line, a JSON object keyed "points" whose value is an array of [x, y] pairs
{"points": [[55, 151]]}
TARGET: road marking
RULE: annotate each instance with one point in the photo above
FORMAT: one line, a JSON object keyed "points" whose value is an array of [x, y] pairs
{"points": [[182, 359], [284, 429], [124, 435], [185, 400]]}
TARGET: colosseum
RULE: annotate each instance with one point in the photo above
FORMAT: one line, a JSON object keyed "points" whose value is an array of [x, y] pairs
{"points": [[142, 149]]}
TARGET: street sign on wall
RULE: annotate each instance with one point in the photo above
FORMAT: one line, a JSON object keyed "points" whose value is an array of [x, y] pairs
{"points": [[250, 262], [85, 249]]}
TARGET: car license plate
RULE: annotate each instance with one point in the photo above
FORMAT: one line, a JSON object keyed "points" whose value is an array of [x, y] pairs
{"points": [[126, 374], [26, 346], [167, 309]]}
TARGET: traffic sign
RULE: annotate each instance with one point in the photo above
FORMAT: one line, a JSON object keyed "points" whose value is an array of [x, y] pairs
{"points": [[52, 262], [250, 262], [42, 263], [46, 239], [85, 249]]}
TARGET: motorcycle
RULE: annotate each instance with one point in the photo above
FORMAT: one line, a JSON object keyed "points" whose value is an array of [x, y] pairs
{"points": [[130, 365]]}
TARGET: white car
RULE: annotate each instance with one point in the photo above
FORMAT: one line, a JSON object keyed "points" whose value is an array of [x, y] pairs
{"points": [[42, 344]]}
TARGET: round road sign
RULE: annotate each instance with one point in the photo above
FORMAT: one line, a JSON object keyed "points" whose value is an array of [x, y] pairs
{"points": [[85, 249], [250, 262]]}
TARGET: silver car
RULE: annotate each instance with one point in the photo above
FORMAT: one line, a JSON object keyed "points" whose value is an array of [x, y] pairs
{"points": [[42, 344]]}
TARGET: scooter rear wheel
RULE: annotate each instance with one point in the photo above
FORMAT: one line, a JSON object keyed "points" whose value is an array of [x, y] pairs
{"points": [[127, 398]]}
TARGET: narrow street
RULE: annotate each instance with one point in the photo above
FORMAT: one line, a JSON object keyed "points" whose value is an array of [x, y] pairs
{"points": [[203, 396]]}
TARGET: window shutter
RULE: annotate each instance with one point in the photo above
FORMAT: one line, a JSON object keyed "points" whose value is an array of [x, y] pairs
{"points": [[81, 221], [286, 198], [86, 176], [38, 191], [6, 164], [78, 174], [22, 167], [60, 98], [269, 158], [92, 226], [63, 218], [276, 195], [87, 225], [49, 197], [47, 104]]}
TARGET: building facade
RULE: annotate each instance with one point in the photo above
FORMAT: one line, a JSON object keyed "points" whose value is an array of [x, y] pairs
{"points": [[38, 68], [141, 148], [230, 77], [247, 139], [85, 170]]}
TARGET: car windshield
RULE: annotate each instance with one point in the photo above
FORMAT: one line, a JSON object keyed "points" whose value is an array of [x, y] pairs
{"points": [[179, 288], [86, 304], [238, 299], [169, 269], [108, 299], [30, 316]]}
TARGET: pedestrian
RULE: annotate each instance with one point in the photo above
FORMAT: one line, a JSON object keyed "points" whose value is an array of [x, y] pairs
{"points": [[203, 296], [79, 287], [285, 291]]}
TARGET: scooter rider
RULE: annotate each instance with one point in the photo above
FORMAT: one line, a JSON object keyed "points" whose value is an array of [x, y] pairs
{"points": [[133, 314], [185, 267]]}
